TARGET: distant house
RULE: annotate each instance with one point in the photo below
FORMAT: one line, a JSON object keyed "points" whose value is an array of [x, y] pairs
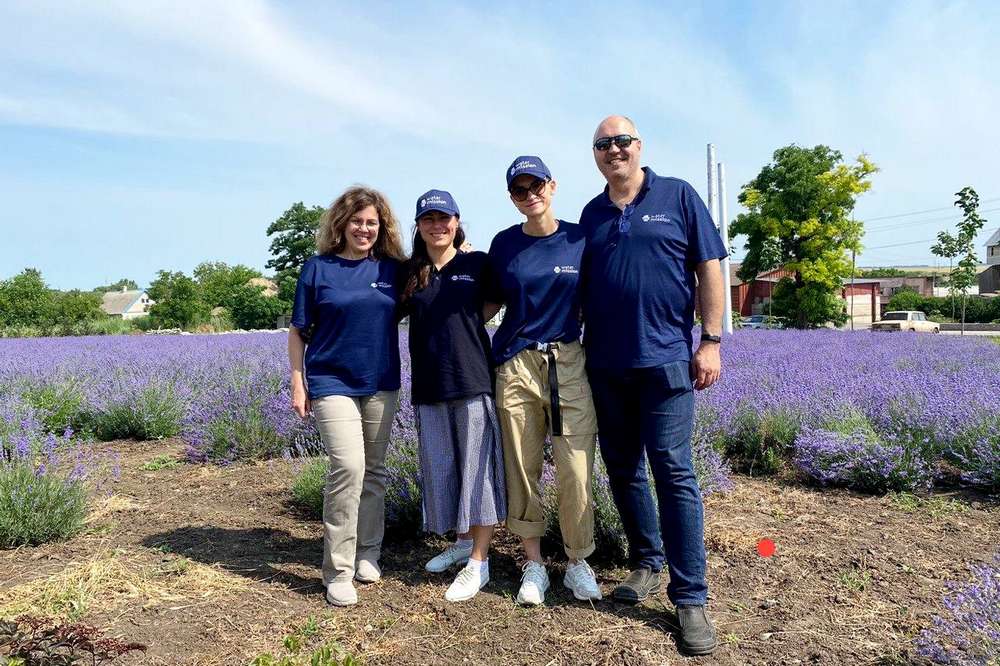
{"points": [[993, 249], [989, 279], [127, 304]]}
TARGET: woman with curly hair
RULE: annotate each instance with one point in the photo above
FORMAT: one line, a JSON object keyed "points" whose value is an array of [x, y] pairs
{"points": [[343, 346]]}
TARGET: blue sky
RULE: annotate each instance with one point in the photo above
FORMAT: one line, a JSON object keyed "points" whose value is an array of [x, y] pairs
{"points": [[157, 135]]}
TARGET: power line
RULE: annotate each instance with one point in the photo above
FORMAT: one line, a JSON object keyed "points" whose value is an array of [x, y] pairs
{"points": [[920, 222], [921, 212]]}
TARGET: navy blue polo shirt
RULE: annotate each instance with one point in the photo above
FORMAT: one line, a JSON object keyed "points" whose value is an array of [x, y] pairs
{"points": [[354, 348], [639, 282], [449, 346], [537, 278]]}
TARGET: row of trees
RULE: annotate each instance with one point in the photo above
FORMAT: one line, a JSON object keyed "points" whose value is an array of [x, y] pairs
{"points": [[25, 300], [215, 294], [799, 217]]}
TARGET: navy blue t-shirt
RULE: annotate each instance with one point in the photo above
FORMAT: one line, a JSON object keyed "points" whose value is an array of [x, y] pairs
{"points": [[449, 346], [639, 283], [354, 347], [537, 278]]}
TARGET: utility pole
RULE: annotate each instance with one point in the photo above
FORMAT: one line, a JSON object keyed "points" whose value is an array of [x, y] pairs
{"points": [[715, 203], [727, 322], [852, 286]]}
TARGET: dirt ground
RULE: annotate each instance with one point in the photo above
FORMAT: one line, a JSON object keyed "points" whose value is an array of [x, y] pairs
{"points": [[210, 565]]}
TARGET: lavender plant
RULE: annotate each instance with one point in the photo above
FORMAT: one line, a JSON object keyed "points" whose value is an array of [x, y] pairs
{"points": [[43, 496], [967, 633]]}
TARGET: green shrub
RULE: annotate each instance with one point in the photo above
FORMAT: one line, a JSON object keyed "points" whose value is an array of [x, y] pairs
{"points": [[307, 488], [153, 413], [760, 442], [60, 406], [38, 507]]}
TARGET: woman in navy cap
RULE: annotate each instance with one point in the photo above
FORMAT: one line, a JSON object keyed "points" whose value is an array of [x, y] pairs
{"points": [[461, 461], [541, 383], [343, 345]]}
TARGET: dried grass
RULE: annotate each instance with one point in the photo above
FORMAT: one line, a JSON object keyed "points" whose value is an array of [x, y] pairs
{"points": [[113, 579]]}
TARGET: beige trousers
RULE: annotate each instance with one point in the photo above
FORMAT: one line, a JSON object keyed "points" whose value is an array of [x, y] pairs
{"points": [[355, 432], [524, 412]]}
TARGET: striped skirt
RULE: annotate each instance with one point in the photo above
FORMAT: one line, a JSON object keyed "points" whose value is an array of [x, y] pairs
{"points": [[461, 462]]}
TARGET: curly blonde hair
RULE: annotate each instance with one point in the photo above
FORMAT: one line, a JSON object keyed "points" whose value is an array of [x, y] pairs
{"points": [[330, 236]]}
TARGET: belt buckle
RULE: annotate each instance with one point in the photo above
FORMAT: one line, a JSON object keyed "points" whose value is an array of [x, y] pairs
{"points": [[546, 346]]}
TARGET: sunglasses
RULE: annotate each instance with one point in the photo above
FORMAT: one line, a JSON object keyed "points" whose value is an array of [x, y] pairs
{"points": [[520, 193], [621, 140]]}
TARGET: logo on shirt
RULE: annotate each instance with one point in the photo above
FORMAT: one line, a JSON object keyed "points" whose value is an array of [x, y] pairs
{"points": [[565, 269], [659, 217], [462, 278], [381, 285]]}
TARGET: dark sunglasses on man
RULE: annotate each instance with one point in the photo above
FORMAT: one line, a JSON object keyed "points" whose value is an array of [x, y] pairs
{"points": [[520, 193], [623, 141]]}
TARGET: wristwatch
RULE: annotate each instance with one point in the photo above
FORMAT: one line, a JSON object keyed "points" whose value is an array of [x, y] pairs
{"points": [[705, 337]]}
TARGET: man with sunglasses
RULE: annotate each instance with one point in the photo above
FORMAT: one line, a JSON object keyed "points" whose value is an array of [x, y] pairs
{"points": [[648, 239]]}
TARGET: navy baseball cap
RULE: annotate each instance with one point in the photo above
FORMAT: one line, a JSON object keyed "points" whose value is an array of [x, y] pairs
{"points": [[527, 164], [436, 200]]}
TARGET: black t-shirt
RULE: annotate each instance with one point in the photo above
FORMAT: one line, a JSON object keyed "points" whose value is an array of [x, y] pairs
{"points": [[449, 346]]}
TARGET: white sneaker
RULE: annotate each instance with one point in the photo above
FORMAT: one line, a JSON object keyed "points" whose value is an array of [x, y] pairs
{"points": [[534, 583], [367, 571], [452, 555], [341, 593], [468, 582], [581, 580]]}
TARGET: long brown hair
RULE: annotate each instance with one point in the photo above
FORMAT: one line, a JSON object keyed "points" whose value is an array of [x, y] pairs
{"points": [[330, 236], [418, 266]]}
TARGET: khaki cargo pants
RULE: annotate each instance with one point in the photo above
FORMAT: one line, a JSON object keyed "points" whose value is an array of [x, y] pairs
{"points": [[525, 415]]}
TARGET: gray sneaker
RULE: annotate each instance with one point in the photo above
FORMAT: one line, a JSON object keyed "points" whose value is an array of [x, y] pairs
{"points": [[696, 636], [637, 586]]}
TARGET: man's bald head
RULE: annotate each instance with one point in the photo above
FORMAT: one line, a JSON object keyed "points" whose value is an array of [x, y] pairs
{"points": [[618, 165], [613, 125]]}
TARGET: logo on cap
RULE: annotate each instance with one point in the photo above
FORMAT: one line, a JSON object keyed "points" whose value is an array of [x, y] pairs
{"points": [[556, 270], [645, 218], [423, 203], [512, 170]]}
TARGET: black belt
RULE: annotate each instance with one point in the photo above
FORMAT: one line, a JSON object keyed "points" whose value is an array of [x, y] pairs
{"points": [[547, 348]]}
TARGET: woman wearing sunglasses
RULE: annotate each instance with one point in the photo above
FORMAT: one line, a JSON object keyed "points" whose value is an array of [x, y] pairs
{"points": [[461, 461], [345, 370], [541, 384]]}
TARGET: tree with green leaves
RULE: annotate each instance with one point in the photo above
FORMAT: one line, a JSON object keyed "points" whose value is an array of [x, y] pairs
{"points": [[219, 281], [25, 300], [178, 301], [963, 275], [124, 283], [799, 217], [947, 247], [76, 307], [251, 309], [293, 243]]}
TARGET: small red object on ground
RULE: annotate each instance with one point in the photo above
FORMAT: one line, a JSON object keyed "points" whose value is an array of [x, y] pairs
{"points": [[765, 548]]}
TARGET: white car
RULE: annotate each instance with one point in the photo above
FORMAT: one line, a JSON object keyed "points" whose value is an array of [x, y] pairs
{"points": [[906, 320]]}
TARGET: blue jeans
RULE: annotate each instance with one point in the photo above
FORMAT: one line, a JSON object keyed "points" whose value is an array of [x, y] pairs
{"points": [[649, 412]]}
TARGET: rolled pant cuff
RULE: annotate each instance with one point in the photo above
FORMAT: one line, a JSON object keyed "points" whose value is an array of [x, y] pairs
{"points": [[526, 529], [580, 553]]}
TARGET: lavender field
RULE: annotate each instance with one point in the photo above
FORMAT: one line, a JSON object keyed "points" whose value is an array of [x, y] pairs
{"points": [[863, 410]]}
